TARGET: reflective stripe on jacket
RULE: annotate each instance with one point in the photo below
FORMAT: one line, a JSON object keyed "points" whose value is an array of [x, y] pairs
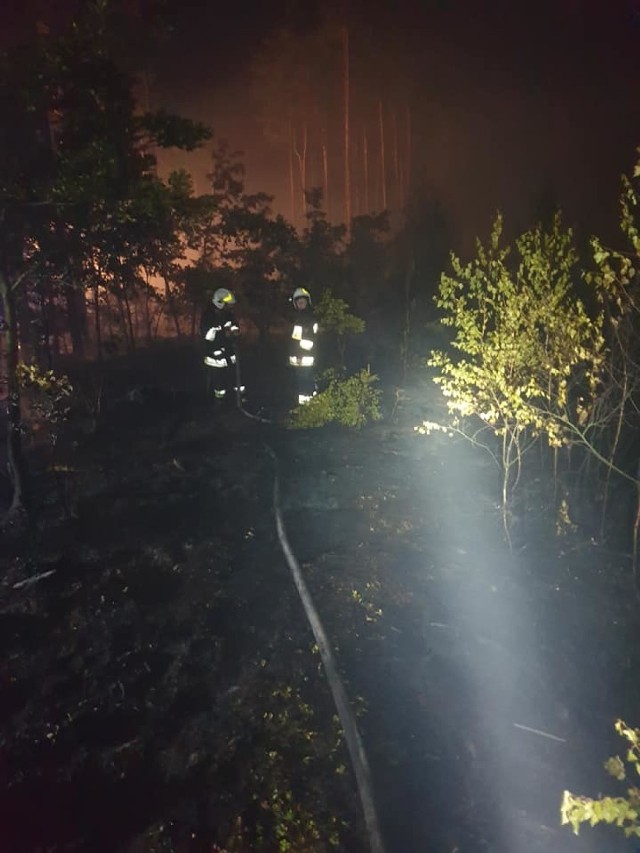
{"points": [[302, 340]]}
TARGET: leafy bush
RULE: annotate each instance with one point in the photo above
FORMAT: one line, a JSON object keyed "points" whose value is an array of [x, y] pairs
{"points": [[334, 317], [529, 357], [351, 401], [48, 397], [623, 812]]}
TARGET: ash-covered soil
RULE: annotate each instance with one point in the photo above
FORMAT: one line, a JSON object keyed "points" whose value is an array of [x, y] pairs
{"points": [[160, 687]]}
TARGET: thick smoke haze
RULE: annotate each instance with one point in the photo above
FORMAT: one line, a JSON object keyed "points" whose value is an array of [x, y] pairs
{"points": [[514, 106]]}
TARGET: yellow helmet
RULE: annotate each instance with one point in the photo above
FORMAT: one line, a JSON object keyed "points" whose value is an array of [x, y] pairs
{"points": [[301, 293], [223, 297]]}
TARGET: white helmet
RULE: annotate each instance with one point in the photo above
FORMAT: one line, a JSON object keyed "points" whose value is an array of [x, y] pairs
{"points": [[223, 297], [301, 293]]}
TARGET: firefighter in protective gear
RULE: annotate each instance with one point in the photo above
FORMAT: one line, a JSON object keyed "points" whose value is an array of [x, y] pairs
{"points": [[302, 345], [218, 328]]}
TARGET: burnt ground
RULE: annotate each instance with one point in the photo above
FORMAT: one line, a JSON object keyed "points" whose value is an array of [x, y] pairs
{"points": [[160, 688]]}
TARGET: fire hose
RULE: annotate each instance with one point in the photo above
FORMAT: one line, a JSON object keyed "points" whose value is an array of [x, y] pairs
{"points": [[346, 716]]}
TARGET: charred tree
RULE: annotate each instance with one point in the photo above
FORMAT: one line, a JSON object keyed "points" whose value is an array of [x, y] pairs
{"points": [[77, 318], [292, 182], [301, 156], [365, 167], [15, 454], [325, 172], [396, 163], [347, 117], [408, 154], [383, 166]]}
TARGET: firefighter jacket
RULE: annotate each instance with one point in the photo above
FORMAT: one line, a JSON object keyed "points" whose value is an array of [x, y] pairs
{"points": [[303, 339], [218, 326]]}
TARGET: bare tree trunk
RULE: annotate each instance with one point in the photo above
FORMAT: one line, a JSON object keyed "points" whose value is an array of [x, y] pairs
{"points": [[383, 167], [301, 154], [44, 342], [77, 314], [347, 116], [397, 201], [408, 154], [612, 454], [365, 160], [325, 172], [357, 210], [132, 331], [292, 186], [146, 313], [54, 326], [136, 315], [406, 332], [15, 456], [123, 320], [172, 307], [110, 314], [96, 319]]}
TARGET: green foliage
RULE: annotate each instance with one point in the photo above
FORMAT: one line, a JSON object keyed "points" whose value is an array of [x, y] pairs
{"points": [[616, 283], [622, 812], [523, 334], [171, 131], [351, 402], [289, 805], [49, 396], [617, 272], [531, 357], [335, 319], [334, 316]]}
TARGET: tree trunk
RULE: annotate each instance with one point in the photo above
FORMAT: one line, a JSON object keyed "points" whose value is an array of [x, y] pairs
{"points": [[53, 320], [292, 185], [355, 189], [397, 201], [171, 305], [135, 314], [365, 159], [147, 310], [76, 308], [44, 342], [129, 317], [325, 172], [123, 320], [96, 320], [301, 154], [15, 454], [347, 116], [408, 155], [383, 167]]}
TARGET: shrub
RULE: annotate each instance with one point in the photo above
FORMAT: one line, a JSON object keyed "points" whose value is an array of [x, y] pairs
{"points": [[350, 401], [48, 398], [623, 812], [335, 318]]}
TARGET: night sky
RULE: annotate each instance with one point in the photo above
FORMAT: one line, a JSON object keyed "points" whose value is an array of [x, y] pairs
{"points": [[516, 104]]}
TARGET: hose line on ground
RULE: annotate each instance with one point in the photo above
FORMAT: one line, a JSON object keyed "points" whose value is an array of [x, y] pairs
{"points": [[345, 713]]}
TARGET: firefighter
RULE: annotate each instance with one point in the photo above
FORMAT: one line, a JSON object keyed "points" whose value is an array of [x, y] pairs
{"points": [[302, 345], [218, 328]]}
